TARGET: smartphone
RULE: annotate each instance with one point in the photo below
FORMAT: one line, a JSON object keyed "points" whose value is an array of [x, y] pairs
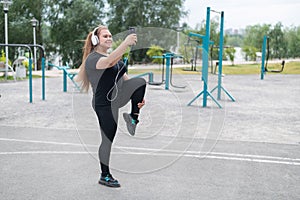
{"points": [[131, 30]]}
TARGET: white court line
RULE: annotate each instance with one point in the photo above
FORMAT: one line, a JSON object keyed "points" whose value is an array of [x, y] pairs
{"points": [[157, 152], [43, 127], [44, 142], [291, 162], [205, 153], [42, 152]]}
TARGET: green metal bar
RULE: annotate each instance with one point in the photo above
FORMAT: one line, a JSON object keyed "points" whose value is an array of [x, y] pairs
{"points": [[149, 74], [194, 99], [43, 78], [263, 57], [168, 63], [205, 57], [30, 80], [220, 56], [65, 80]]}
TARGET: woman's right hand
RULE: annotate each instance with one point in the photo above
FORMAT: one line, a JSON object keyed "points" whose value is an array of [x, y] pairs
{"points": [[131, 39]]}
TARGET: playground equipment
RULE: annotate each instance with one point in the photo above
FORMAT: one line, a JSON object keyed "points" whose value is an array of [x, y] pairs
{"points": [[167, 79], [66, 74], [195, 52], [265, 57], [27, 46], [205, 63]]}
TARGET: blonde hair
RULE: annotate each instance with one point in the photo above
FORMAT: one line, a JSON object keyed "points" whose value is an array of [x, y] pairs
{"points": [[87, 49]]}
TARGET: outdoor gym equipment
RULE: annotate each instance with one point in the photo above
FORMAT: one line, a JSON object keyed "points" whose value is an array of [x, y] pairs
{"points": [[214, 68], [195, 37], [167, 79], [193, 60], [220, 63], [265, 58], [30, 66], [66, 74], [205, 60]]}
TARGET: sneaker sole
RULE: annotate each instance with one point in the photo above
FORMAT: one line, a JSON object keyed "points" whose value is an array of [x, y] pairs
{"points": [[109, 185], [127, 120]]}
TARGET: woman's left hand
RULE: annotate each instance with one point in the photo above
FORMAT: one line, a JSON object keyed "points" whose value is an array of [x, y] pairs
{"points": [[140, 105]]}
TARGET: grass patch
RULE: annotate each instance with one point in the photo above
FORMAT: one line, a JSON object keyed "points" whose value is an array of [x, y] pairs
{"points": [[289, 68], [241, 69]]}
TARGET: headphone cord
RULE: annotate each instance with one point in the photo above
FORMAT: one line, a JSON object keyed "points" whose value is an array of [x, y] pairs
{"points": [[116, 79]]}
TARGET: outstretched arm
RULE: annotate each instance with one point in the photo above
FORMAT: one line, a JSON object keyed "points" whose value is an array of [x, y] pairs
{"points": [[116, 55]]}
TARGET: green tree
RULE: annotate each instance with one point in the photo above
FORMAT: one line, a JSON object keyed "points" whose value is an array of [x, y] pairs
{"points": [[292, 36], [148, 13], [70, 21], [230, 51], [254, 35], [278, 45], [214, 35], [155, 50], [234, 40], [20, 29], [253, 39], [250, 52]]}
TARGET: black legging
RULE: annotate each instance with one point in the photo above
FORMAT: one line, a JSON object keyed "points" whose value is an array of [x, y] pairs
{"points": [[132, 89]]}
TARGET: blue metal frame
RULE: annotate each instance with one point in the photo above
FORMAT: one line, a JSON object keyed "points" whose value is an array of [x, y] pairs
{"points": [[65, 75], [168, 57], [220, 67], [205, 62], [263, 57], [149, 74]]}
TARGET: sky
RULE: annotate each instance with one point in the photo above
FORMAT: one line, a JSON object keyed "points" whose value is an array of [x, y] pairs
{"points": [[241, 13]]}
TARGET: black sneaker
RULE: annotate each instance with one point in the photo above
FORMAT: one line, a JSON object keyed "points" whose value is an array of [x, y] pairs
{"points": [[130, 123], [109, 181]]}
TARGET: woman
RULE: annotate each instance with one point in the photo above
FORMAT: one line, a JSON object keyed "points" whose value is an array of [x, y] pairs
{"points": [[112, 89]]}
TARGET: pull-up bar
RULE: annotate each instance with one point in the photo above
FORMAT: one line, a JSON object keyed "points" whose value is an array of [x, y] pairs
{"points": [[205, 61], [206, 43], [220, 65]]}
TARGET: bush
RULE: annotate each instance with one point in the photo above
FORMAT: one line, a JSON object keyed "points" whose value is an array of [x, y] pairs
{"points": [[155, 50]]}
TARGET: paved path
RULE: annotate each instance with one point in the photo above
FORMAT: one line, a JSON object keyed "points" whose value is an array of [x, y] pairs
{"points": [[249, 149]]}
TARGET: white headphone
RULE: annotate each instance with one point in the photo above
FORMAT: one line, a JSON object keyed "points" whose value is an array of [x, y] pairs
{"points": [[95, 39]]}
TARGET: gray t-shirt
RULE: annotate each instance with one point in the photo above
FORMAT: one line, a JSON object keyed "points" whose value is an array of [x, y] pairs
{"points": [[102, 80]]}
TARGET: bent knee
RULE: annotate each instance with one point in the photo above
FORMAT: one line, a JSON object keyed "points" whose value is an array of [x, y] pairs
{"points": [[140, 81]]}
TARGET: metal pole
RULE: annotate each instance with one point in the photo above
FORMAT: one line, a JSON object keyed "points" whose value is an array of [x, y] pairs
{"points": [[43, 78], [168, 59], [30, 79], [205, 57], [34, 48], [220, 56], [6, 42], [34, 23], [6, 4], [263, 55], [65, 80]]}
